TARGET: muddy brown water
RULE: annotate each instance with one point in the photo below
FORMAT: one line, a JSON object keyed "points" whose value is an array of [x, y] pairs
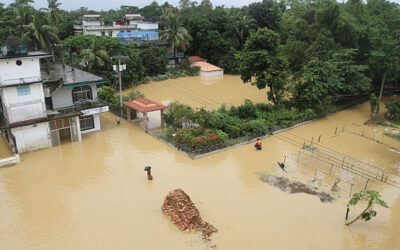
{"points": [[94, 194]]}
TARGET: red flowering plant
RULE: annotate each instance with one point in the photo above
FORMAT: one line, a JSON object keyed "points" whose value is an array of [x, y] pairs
{"points": [[199, 137]]}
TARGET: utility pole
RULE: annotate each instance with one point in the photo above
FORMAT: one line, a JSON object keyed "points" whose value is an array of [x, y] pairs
{"points": [[119, 69], [380, 94]]}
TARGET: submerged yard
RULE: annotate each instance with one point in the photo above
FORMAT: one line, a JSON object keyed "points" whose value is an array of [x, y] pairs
{"points": [[95, 195]]}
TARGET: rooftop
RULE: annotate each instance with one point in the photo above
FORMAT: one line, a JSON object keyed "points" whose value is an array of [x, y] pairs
{"points": [[196, 59], [69, 77], [206, 67], [144, 105]]}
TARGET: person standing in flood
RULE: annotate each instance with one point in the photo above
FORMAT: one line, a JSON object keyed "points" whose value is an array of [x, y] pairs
{"points": [[118, 119], [258, 145]]}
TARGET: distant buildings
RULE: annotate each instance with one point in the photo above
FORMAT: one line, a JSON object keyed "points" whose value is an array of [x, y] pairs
{"points": [[92, 24], [44, 106]]}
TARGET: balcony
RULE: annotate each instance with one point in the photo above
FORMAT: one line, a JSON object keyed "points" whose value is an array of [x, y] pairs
{"points": [[170, 54], [85, 107]]}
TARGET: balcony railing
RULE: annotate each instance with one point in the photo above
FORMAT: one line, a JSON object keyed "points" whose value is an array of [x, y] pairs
{"points": [[79, 106], [177, 54]]}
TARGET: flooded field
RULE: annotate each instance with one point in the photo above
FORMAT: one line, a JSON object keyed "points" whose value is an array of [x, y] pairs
{"points": [[94, 194]]}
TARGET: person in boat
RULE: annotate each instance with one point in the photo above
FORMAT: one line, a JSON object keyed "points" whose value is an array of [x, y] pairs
{"points": [[258, 144]]}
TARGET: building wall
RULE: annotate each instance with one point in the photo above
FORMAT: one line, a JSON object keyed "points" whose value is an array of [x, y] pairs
{"points": [[211, 73], [32, 137], [11, 73], [25, 107], [63, 97], [91, 23], [146, 26], [97, 125]]}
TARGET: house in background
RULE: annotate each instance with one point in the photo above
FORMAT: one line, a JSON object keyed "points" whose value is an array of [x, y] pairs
{"points": [[206, 69], [37, 111], [92, 24]]}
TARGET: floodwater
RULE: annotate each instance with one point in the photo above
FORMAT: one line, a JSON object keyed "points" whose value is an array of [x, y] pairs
{"points": [[95, 194], [197, 91]]}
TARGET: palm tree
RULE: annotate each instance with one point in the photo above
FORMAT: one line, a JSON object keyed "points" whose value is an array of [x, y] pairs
{"points": [[55, 16], [23, 16], [42, 34], [94, 56], [244, 24], [175, 35]]}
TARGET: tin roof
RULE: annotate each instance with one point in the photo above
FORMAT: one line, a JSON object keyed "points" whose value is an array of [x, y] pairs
{"points": [[144, 105], [206, 67], [69, 77], [196, 59]]}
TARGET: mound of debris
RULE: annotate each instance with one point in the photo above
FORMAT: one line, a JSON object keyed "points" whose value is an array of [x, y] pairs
{"points": [[286, 185], [184, 214]]}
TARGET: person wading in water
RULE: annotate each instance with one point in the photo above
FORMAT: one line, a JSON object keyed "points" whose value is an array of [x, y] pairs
{"points": [[258, 145]]}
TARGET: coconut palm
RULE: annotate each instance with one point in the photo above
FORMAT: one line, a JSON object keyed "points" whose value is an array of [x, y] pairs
{"points": [[94, 56], [175, 35], [23, 16], [244, 24], [55, 16], [41, 33]]}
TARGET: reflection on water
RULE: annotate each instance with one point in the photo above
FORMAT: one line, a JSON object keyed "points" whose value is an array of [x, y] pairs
{"points": [[94, 194]]}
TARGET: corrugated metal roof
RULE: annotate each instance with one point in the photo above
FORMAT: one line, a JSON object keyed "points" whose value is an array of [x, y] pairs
{"points": [[206, 67]]}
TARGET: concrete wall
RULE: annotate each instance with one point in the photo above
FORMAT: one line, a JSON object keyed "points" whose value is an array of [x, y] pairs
{"points": [[146, 26], [97, 125], [211, 73], [91, 23], [11, 73], [33, 137], [25, 107], [63, 97]]}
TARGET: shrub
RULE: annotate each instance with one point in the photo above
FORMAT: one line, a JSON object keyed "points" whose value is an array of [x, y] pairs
{"points": [[199, 137], [178, 113], [247, 110], [255, 127], [106, 93], [393, 111], [373, 101]]}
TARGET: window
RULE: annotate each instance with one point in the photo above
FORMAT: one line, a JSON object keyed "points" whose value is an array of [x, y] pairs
{"points": [[103, 33], [18, 62], [86, 122], [110, 33], [23, 90], [81, 93]]}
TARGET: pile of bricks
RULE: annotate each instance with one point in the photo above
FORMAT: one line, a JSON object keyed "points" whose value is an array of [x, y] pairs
{"points": [[184, 214]]}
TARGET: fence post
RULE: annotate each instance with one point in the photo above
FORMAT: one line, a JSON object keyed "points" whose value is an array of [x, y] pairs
{"points": [[347, 211], [351, 189], [284, 160], [330, 171], [315, 175], [312, 140], [336, 131], [319, 138], [366, 184], [362, 134]]}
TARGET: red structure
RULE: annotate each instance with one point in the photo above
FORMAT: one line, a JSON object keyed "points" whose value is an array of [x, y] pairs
{"points": [[197, 59], [144, 106]]}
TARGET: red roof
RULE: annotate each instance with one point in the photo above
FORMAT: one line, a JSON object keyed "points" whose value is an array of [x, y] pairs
{"points": [[144, 105], [196, 59]]}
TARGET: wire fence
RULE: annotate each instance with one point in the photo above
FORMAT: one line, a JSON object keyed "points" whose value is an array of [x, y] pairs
{"points": [[247, 138]]}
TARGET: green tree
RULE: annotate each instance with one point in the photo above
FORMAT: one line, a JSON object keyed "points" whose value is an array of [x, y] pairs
{"points": [[175, 35], [372, 198], [41, 33], [260, 60], [154, 60], [53, 8], [373, 101], [244, 25], [94, 56]]}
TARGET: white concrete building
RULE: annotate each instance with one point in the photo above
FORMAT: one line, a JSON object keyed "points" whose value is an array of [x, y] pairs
{"points": [[92, 24], [31, 121]]}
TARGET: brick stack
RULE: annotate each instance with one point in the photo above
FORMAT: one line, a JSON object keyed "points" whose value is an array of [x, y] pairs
{"points": [[184, 214]]}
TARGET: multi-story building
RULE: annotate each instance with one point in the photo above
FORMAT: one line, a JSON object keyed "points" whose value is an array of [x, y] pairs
{"points": [[41, 111], [92, 24]]}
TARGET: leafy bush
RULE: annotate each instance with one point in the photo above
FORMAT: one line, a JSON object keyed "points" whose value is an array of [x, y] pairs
{"points": [[178, 113], [154, 60], [393, 111], [373, 101], [106, 93], [255, 127], [200, 137]]}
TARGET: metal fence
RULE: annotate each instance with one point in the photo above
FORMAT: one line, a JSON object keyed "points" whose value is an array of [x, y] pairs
{"points": [[347, 167]]}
